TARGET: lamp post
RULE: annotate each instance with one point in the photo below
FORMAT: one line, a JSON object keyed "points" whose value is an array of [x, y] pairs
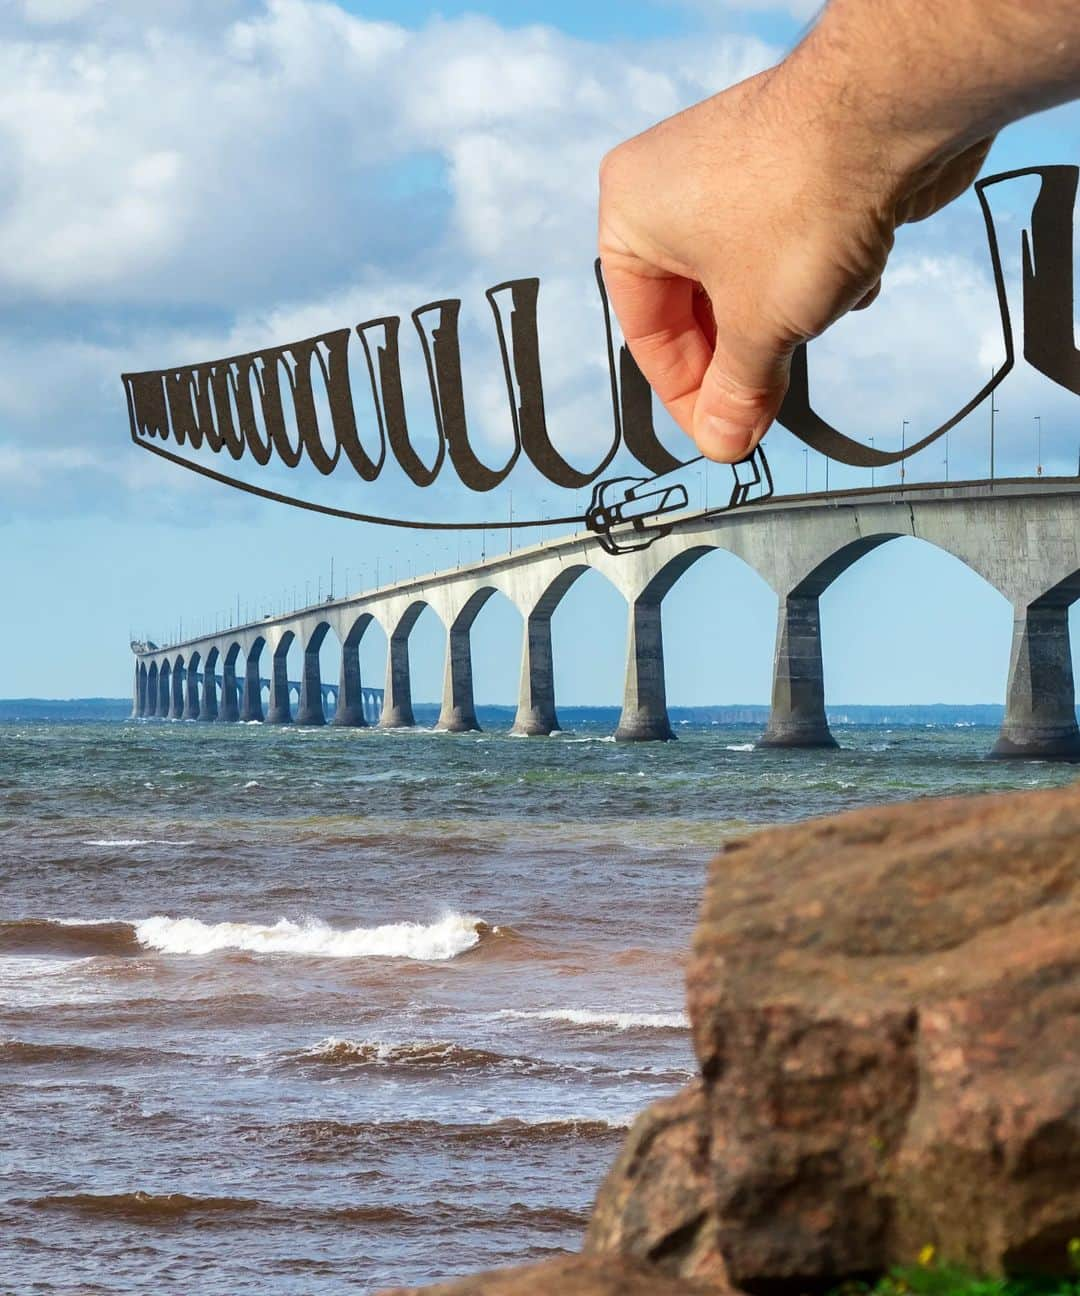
{"points": [[946, 456], [1038, 445], [993, 410], [871, 466], [806, 472], [903, 447]]}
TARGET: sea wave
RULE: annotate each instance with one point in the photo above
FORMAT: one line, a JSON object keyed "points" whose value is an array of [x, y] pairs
{"points": [[140, 1205], [433, 1055], [592, 1017], [320, 1138], [15, 1052], [135, 841], [78, 938], [164, 1208], [451, 935], [414, 1055]]}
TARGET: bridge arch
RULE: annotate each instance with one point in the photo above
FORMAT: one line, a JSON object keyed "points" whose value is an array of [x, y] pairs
{"points": [[191, 686], [349, 707], [179, 674], [231, 682], [164, 689], [719, 627], [310, 710], [251, 707], [280, 709], [400, 622], [208, 705], [152, 689], [501, 629], [536, 714], [141, 699]]}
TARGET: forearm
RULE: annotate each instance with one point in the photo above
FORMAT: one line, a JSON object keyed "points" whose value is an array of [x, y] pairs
{"points": [[933, 76]]}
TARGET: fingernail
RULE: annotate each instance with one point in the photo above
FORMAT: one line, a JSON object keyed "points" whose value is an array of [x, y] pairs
{"points": [[731, 440]]}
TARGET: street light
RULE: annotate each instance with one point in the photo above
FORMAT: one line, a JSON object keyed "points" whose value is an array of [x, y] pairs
{"points": [[806, 472], [993, 410], [871, 466], [903, 446], [1038, 445]]}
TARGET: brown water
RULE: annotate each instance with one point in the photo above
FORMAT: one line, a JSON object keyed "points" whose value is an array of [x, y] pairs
{"points": [[322, 1011]]}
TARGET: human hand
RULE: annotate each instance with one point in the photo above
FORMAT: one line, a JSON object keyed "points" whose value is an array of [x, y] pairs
{"points": [[748, 224]]}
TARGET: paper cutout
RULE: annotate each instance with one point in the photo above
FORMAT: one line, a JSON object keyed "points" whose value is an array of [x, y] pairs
{"points": [[263, 406]]}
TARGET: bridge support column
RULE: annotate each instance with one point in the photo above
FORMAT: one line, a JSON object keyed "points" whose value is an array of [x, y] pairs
{"points": [[644, 715], [1040, 710], [251, 704], [176, 709], [138, 700], [397, 712], [208, 709], [191, 694], [310, 711], [280, 707], [458, 714], [229, 711], [797, 718], [350, 698], [536, 695]]}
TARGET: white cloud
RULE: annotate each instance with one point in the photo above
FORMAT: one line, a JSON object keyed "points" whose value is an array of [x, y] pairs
{"points": [[237, 173]]}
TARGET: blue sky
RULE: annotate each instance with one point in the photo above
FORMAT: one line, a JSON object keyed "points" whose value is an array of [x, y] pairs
{"points": [[242, 172]]}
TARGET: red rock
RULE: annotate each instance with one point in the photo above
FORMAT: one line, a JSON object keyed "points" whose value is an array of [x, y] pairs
{"points": [[886, 1011]]}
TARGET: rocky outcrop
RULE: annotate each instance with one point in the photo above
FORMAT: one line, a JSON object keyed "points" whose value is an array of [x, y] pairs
{"points": [[886, 1014]]}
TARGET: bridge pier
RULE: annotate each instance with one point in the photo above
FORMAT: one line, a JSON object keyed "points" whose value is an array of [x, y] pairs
{"points": [[458, 714], [229, 710], [176, 709], [1040, 708], [280, 711], [350, 699], [251, 703], [138, 700], [797, 717], [191, 694], [536, 694], [310, 710], [644, 715], [208, 709], [397, 711]]}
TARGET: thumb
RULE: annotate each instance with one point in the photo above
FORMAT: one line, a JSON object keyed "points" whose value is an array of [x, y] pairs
{"points": [[741, 392]]}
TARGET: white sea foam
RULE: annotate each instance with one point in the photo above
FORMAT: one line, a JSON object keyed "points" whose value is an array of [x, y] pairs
{"points": [[613, 1020], [312, 938], [739, 747], [136, 841]]}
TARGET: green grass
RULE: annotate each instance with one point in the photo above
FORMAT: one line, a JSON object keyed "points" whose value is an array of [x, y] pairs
{"points": [[930, 1278]]}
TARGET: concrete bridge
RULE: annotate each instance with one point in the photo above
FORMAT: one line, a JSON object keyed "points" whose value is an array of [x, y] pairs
{"points": [[1021, 536]]}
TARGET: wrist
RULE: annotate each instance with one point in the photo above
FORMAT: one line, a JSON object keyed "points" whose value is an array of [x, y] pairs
{"points": [[855, 120]]}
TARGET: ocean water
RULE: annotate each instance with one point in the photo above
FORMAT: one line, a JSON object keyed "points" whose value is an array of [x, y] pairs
{"points": [[301, 1011]]}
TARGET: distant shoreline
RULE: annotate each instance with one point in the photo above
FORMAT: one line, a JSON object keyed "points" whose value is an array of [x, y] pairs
{"points": [[750, 714]]}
